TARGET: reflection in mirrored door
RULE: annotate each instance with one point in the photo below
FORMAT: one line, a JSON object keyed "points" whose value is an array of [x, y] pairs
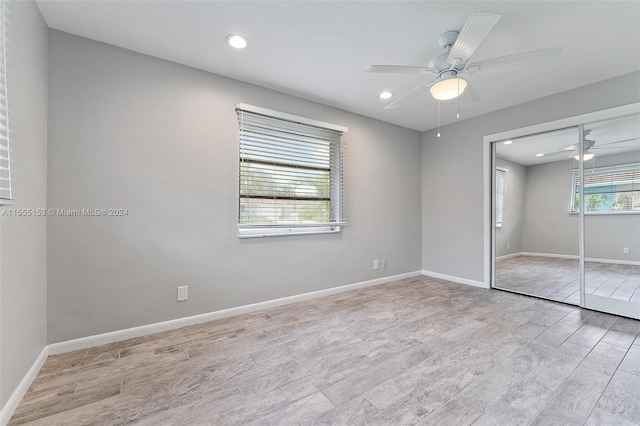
{"points": [[536, 237], [611, 214]]}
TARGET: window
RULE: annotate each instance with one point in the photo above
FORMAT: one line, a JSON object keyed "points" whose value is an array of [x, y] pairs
{"points": [[6, 193], [290, 174], [501, 189], [608, 190]]}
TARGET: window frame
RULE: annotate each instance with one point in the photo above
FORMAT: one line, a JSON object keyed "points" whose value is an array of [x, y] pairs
{"points": [[635, 167], [7, 193], [336, 194]]}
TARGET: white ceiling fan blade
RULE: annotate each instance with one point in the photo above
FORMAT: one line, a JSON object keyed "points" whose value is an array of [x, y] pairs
{"points": [[401, 69], [520, 60], [600, 145], [563, 150], [410, 95], [573, 147], [474, 31], [547, 154], [469, 96], [610, 147]]}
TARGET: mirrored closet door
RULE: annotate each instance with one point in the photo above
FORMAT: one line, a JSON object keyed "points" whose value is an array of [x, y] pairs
{"points": [[536, 239], [548, 243], [611, 215]]}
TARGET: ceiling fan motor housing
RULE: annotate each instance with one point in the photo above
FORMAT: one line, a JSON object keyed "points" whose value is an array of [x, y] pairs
{"points": [[440, 62], [447, 39]]}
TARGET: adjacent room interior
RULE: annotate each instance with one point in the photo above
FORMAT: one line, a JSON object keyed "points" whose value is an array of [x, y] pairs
{"points": [[347, 213]]}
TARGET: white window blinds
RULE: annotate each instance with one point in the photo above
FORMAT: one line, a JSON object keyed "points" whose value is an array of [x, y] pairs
{"points": [[290, 175], [501, 188], [608, 189], [6, 193]]}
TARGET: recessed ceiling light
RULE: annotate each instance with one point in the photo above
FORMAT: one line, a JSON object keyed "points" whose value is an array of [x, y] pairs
{"points": [[385, 95], [237, 41], [539, 155], [507, 142]]}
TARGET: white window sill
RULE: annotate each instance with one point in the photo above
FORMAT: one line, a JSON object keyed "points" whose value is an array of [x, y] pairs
{"points": [[286, 232], [606, 213]]}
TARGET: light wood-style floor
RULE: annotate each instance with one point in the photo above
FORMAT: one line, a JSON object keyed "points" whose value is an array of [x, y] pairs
{"points": [[418, 351], [559, 279]]}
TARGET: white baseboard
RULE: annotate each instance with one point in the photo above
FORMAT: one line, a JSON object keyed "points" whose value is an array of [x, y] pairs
{"points": [[15, 398], [508, 256], [587, 259], [619, 262], [459, 280], [555, 255], [115, 336]]}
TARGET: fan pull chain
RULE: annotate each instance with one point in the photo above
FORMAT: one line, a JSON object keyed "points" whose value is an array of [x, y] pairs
{"points": [[438, 135]]}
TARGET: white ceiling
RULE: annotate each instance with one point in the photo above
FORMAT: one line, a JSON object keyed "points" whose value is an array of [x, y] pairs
{"points": [[320, 50], [523, 150]]}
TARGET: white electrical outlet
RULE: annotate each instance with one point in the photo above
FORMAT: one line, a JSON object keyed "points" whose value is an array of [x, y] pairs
{"points": [[625, 250], [182, 293], [375, 264], [508, 245], [384, 263]]}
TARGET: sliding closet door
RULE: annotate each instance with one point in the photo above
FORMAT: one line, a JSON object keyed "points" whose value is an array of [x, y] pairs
{"points": [[536, 237], [611, 215]]}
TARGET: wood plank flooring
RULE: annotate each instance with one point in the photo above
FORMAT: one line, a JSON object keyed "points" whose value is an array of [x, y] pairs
{"points": [[419, 351], [559, 279]]}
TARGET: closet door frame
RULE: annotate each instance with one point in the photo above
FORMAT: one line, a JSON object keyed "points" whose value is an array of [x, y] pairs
{"points": [[489, 180]]}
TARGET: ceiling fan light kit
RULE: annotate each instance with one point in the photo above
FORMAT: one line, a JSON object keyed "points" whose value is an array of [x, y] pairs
{"points": [[586, 157], [449, 88]]}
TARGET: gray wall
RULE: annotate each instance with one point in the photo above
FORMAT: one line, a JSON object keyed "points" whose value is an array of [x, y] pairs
{"points": [[23, 287], [513, 209], [160, 139], [549, 228], [452, 171]]}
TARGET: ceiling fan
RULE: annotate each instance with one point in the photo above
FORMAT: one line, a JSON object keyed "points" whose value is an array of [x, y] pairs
{"points": [[589, 147], [447, 67]]}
